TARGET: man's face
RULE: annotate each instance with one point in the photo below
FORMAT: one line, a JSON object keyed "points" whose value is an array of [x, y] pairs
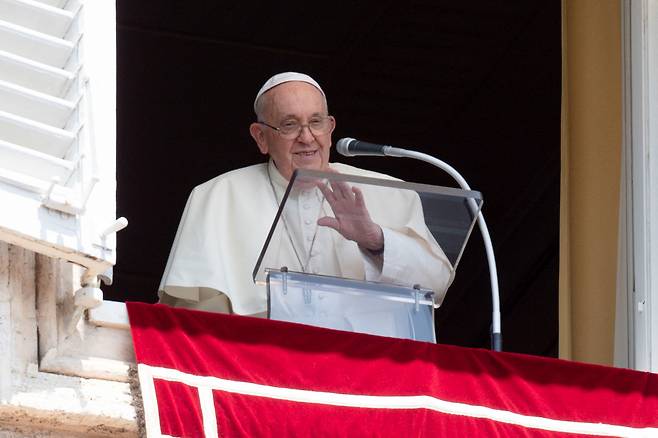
{"points": [[302, 103]]}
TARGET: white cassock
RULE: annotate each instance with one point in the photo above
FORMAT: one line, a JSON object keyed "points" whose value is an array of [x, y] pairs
{"points": [[226, 221]]}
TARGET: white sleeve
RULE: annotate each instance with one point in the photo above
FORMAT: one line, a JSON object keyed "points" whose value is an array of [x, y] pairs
{"points": [[408, 261]]}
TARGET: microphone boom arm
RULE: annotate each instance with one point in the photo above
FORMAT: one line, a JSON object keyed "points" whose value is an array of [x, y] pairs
{"points": [[496, 332]]}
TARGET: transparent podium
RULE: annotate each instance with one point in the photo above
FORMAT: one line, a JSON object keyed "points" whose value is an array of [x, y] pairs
{"points": [[364, 254]]}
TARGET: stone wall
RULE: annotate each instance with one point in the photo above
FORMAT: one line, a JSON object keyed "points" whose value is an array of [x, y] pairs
{"points": [[36, 314]]}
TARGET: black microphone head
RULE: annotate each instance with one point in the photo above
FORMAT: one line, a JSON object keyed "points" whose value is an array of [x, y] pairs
{"points": [[343, 146]]}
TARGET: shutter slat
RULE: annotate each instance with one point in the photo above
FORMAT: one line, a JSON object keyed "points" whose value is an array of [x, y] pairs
{"points": [[38, 16], [34, 45], [34, 135], [33, 163], [54, 3], [26, 182], [34, 75], [35, 106]]}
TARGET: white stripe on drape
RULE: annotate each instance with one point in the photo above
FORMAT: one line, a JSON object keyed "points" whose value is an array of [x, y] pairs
{"points": [[374, 402]]}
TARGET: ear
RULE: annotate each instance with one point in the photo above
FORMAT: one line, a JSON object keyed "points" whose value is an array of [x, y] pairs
{"points": [[256, 131], [333, 124]]}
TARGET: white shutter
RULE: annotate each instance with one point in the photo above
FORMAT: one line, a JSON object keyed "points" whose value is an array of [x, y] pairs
{"points": [[57, 128]]}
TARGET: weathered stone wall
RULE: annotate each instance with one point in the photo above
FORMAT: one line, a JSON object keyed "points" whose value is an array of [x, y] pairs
{"points": [[36, 310]]}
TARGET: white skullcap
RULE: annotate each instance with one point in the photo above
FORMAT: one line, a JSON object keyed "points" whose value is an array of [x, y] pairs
{"points": [[289, 76]]}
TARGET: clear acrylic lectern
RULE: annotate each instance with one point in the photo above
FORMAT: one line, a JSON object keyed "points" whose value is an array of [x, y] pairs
{"points": [[317, 274]]}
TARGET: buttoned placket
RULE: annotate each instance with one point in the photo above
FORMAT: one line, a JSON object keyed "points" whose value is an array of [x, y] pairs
{"points": [[308, 215]]}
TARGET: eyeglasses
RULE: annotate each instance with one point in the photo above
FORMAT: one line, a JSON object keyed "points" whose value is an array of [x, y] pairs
{"points": [[292, 128]]}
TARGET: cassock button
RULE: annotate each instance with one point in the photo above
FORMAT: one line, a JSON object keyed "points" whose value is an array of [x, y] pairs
{"points": [[306, 206], [307, 222], [309, 238]]}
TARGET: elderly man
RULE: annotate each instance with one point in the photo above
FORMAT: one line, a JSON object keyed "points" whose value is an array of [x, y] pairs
{"points": [[226, 219]]}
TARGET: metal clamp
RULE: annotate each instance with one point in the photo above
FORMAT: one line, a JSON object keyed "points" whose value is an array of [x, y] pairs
{"points": [[284, 279], [417, 297]]}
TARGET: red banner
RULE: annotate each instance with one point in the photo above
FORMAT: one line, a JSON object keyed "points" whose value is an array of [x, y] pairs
{"points": [[206, 374]]}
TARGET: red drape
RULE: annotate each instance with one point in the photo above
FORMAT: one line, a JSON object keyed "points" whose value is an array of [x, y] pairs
{"points": [[260, 378]]}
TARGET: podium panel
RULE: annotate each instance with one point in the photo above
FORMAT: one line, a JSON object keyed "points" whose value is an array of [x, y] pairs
{"points": [[333, 279], [351, 305]]}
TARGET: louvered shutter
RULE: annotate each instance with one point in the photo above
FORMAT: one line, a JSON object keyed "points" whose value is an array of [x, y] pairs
{"points": [[57, 128]]}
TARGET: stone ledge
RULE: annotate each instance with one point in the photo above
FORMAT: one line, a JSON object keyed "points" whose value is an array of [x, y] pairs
{"points": [[52, 403]]}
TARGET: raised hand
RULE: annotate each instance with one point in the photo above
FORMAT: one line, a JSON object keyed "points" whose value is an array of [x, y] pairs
{"points": [[352, 219]]}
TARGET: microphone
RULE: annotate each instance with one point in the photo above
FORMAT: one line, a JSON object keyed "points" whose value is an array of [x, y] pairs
{"points": [[351, 147]]}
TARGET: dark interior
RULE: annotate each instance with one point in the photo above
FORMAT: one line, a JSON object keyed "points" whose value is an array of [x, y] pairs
{"points": [[476, 84]]}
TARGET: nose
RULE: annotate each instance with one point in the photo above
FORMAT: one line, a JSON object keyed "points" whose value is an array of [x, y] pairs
{"points": [[305, 134]]}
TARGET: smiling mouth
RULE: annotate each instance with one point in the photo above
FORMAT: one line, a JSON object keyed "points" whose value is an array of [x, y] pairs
{"points": [[305, 153]]}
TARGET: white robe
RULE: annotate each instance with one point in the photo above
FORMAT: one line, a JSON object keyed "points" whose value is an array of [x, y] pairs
{"points": [[226, 221]]}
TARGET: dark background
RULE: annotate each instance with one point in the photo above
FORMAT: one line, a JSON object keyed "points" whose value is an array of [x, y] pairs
{"points": [[474, 83]]}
